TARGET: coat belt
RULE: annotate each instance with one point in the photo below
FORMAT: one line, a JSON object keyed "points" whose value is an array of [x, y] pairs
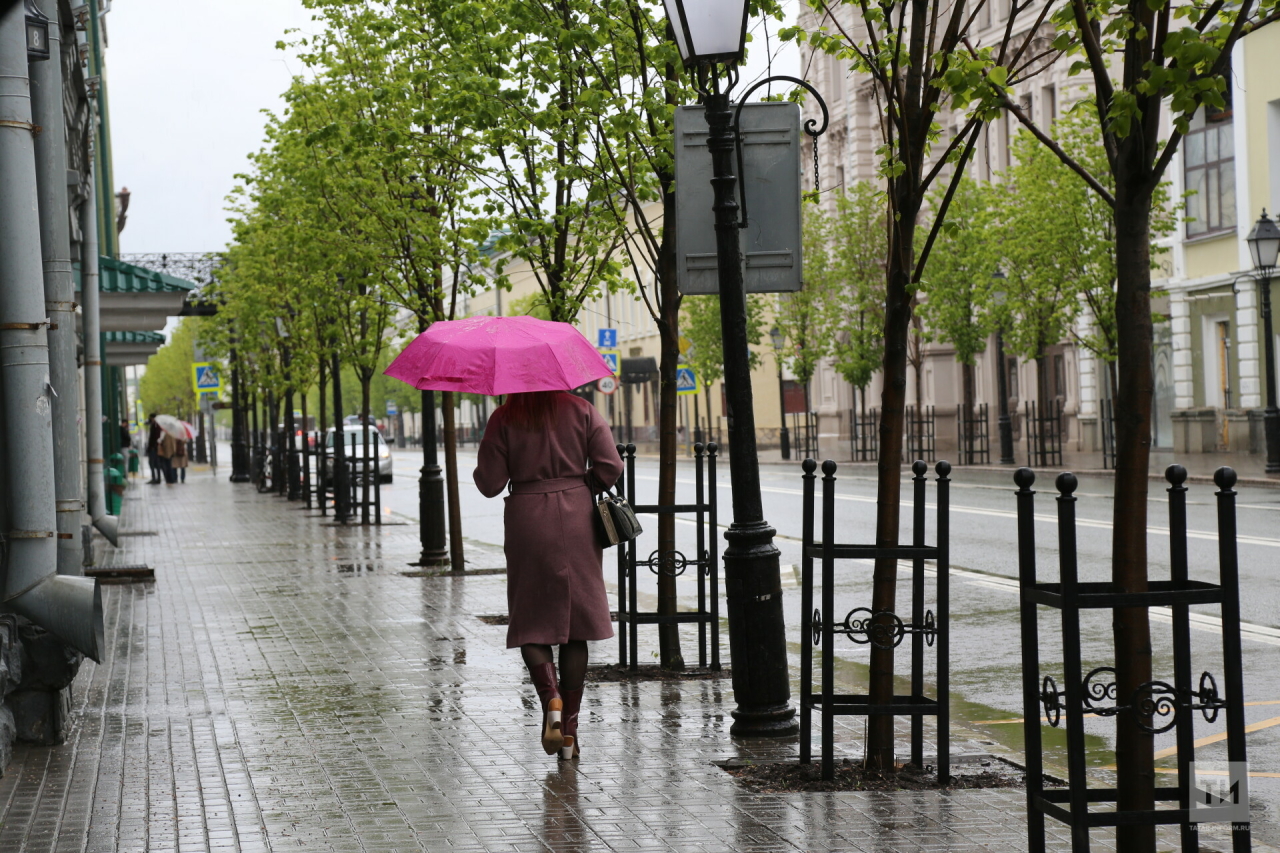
{"points": [[542, 487]]}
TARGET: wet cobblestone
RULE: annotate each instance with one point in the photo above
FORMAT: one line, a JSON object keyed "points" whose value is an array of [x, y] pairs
{"points": [[281, 686]]}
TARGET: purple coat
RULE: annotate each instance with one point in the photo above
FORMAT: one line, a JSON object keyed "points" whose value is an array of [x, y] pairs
{"points": [[555, 583]]}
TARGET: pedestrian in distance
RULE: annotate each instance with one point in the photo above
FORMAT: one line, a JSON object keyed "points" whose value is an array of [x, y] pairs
{"points": [[537, 446], [168, 447], [154, 434], [179, 460]]}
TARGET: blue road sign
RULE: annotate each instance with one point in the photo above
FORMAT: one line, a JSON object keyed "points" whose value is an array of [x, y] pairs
{"points": [[686, 381], [612, 358], [391, 408], [608, 339], [205, 377]]}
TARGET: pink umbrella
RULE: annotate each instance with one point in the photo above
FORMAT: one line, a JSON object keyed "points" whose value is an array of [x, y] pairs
{"points": [[499, 355]]}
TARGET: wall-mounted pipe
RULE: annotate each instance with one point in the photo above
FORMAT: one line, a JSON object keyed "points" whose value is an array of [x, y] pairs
{"points": [[106, 524], [59, 292], [68, 607]]}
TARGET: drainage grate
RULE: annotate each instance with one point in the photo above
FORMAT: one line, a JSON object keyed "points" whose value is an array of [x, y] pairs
{"points": [[138, 533]]}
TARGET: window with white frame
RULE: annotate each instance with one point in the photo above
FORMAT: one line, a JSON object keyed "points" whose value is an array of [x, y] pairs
{"points": [[1209, 169]]}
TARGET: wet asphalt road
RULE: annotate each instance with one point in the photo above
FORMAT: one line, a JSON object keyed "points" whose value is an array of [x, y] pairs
{"points": [[986, 663]]}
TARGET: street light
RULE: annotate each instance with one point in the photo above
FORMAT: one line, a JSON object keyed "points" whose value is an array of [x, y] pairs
{"points": [[1264, 245], [711, 36], [432, 534], [1002, 387], [775, 335]]}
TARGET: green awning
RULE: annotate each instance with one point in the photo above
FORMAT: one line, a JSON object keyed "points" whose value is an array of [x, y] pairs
{"points": [[118, 277]]}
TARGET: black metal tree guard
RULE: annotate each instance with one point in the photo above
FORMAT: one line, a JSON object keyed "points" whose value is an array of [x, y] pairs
{"points": [[973, 435], [884, 629], [864, 435], [921, 431], [1157, 705], [673, 563]]}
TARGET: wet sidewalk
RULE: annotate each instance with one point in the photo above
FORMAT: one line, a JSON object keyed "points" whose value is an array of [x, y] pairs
{"points": [[282, 685]]}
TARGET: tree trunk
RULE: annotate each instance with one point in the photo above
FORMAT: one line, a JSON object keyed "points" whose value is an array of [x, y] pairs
{"points": [[1042, 382], [967, 380], [897, 323], [1131, 626], [670, 655], [456, 556]]}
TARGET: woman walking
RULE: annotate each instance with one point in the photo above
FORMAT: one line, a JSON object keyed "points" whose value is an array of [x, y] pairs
{"points": [[179, 460], [539, 445]]}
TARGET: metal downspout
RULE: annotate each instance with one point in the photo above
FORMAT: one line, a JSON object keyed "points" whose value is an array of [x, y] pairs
{"points": [[59, 292], [106, 524], [68, 607]]}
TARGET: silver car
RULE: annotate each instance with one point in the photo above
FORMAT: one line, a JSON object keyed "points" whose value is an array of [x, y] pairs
{"points": [[380, 448]]}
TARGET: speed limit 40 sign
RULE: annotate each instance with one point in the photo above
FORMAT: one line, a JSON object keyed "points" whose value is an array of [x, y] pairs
{"points": [[607, 385]]}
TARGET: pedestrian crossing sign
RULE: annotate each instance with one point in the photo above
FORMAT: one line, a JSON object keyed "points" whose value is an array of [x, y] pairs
{"points": [[687, 381], [613, 358], [205, 377]]}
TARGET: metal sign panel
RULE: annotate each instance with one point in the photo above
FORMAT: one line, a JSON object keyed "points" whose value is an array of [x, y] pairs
{"points": [[687, 381], [771, 162], [205, 377], [607, 338]]}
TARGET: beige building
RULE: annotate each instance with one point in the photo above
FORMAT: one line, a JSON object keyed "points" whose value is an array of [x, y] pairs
{"points": [[1209, 371], [1211, 374]]}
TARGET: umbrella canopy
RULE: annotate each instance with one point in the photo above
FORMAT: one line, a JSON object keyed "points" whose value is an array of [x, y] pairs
{"points": [[499, 355], [179, 429]]}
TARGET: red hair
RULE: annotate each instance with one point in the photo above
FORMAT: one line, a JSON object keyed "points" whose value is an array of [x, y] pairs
{"points": [[531, 410]]}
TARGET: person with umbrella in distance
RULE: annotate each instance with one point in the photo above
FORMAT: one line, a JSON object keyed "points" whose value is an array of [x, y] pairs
{"points": [[154, 433], [552, 451]]}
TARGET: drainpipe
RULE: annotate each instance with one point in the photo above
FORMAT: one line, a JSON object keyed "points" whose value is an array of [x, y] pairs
{"points": [[106, 524], [59, 291], [68, 607]]}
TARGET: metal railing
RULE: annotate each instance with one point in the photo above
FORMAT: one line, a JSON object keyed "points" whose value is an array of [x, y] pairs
{"points": [[973, 435], [1044, 433], [804, 434], [864, 436], [883, 629], [1153, 707], [1107, 424], [673, 563], [922, 435]]}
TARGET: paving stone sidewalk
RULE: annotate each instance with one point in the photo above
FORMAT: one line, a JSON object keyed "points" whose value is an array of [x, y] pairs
{"points": [[283, 686]]}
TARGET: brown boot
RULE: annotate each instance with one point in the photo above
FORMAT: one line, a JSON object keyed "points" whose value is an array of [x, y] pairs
{"points": [[572, 704], [544, 681]]}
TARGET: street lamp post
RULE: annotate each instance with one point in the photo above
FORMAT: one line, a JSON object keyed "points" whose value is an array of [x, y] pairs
{"points": [[1264, 246], [1002, 383], [753, 588], [432, 534], [784, 436]]}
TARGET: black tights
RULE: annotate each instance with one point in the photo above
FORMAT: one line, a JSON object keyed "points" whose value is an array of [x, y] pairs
{"points": [[573, 661]]}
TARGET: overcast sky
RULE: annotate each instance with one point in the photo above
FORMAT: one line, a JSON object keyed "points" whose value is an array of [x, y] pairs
{"points": [[188, 83]]}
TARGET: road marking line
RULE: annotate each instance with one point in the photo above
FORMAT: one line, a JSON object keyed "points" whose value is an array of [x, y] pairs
{"points": [[1200, 621], [1041, 517], [1221, 736], [1252, 775]]}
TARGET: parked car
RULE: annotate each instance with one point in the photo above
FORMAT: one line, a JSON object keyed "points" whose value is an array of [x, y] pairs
{"points": [[380, 448]]}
